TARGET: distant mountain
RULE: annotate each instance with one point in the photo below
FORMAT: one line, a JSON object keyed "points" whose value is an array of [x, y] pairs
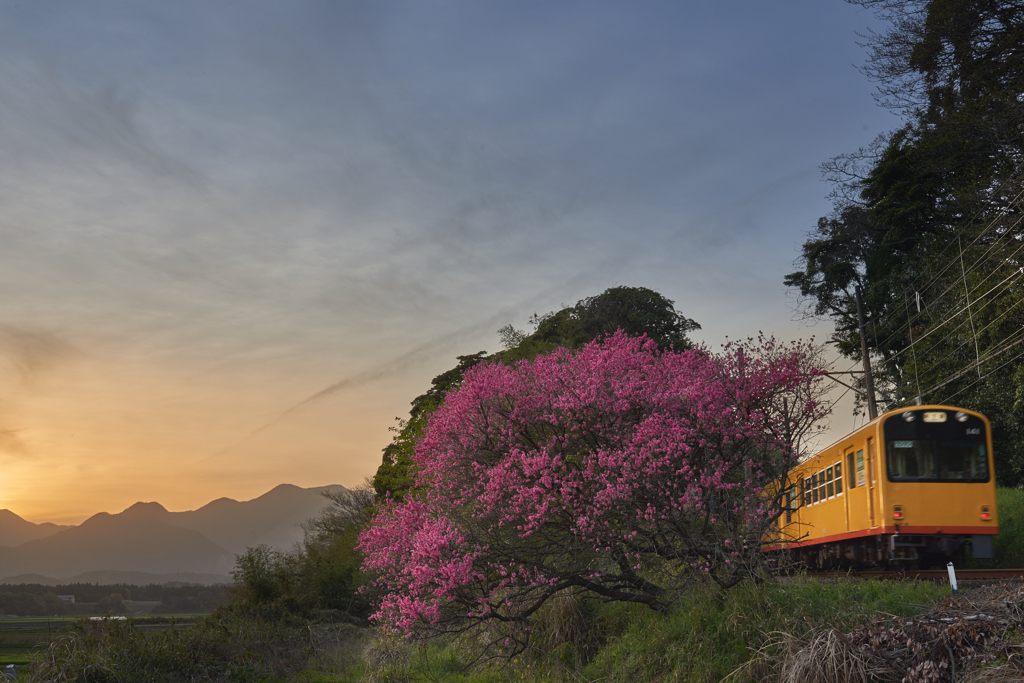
{"points": [[14, 530], [122, 542], [274, 518], [147, 538]]}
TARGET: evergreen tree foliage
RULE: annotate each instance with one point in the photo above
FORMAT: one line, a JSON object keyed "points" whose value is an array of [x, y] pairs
{"points": [[927, 219]]}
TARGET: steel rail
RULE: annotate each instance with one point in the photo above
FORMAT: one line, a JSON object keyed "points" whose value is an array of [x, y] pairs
{"points": [[936, 574]]}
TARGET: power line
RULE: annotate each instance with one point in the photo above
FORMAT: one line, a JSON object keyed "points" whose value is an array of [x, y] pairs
{"points": [[990, 324], [1016, 272], [957, 375], [979, 302], [937, 343], [963, 389], [934, 279]]}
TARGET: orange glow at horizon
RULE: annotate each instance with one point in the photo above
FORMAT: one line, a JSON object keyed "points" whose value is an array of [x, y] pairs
{"points": [[96, 435]]}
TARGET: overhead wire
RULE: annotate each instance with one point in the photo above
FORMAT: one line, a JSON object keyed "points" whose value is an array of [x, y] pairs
{"points": [[907, 327], [985, 376], [951, 332], [934, 279], [1007, 345], [1001, 316], [980, 284], [1002, 212]]}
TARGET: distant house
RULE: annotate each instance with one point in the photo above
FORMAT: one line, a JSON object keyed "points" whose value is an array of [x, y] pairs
{"points": [[67, 598]]}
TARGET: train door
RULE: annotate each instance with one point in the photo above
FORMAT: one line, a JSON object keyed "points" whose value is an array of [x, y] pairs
{"points": [[872, 482], [848, 481], [855, 480]]}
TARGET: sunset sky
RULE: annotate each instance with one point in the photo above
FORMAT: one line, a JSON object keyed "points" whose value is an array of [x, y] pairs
{"points": [[213, 211]]}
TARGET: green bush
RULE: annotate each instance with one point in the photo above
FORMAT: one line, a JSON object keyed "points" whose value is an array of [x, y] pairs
{"points": [[323, 574]]}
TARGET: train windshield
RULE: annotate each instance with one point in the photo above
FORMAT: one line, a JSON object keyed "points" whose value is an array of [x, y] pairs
{"points": [[936, 445], [932, 460]]}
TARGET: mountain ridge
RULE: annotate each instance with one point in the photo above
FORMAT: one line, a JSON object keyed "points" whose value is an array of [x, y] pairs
{"points": [[146, 537]]}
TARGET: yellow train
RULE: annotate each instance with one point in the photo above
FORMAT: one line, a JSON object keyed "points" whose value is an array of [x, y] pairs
{"points": [[913, 485]]}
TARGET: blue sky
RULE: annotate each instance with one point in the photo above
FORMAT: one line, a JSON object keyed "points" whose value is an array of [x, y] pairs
{"points": [[211, 211]]}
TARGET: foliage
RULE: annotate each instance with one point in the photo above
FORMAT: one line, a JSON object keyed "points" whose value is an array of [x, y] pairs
{"points": [[927, 219], [1008, 545], [222, 647], [636, 311], [395, 476], [27, 599], [27, 605], [112, 603], [620, 469], [261, 574], [322, 574], [704, 636]]}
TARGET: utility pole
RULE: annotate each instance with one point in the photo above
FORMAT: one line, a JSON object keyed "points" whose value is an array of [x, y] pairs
{"points": [[869, 382]]}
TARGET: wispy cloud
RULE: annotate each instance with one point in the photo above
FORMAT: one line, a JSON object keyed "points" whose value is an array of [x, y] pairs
{"points": [[308, 199]]}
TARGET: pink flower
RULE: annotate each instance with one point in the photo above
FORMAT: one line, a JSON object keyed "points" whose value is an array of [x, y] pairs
{"points": [[548, 471]]}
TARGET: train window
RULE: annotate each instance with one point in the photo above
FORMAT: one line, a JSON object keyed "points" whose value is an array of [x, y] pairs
{"points": [[850, 469], [807, 491], [962, 460], [790, 497], [814, 488], [937, 460], [821, 486], [838, 469], [911, 460], [830, 491], [860, 467]]}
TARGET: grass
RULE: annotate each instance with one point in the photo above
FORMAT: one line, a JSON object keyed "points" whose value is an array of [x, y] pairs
{"points": [[705, 637], [226, 646], [708, 634]]}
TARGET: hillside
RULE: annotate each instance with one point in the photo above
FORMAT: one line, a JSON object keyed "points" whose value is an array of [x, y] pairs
{"points": [[148, 538], [14, 530], [123, 542]]}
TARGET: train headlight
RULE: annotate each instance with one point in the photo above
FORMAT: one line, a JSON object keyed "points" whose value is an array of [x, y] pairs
{"points": [[986, 514], [897, 512], [909, 416], [961, 416]]}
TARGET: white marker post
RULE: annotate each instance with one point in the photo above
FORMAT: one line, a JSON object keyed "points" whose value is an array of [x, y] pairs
{"points": [[952, 576]]}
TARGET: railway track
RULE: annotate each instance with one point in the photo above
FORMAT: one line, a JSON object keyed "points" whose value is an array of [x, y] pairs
{"points": [[937, 574]]}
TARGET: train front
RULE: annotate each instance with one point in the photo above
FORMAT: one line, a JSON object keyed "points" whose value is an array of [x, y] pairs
{"points": [[938, 484]]}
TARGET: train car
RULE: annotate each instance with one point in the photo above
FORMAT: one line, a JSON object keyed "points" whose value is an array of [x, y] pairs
{"points": [[915, 485]]}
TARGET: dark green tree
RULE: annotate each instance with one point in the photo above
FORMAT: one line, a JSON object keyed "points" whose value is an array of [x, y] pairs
{"points": [[926, 220], [635, 310], [395, 474], [322, 573]]}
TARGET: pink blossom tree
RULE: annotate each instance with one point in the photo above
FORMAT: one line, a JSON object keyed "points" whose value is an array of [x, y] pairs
{"points": [[618, 470]]}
